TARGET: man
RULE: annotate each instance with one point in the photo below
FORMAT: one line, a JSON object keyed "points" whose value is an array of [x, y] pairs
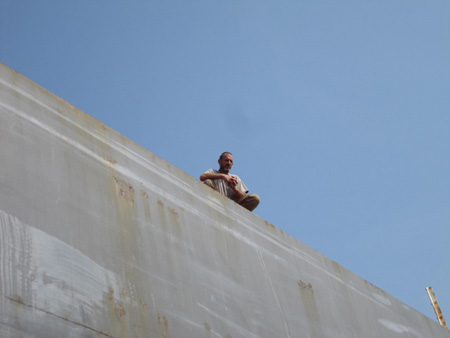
{"points": [[229, 185]]}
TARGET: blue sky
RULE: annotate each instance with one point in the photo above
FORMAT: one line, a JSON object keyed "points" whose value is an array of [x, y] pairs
{"points": [[337, 112]]}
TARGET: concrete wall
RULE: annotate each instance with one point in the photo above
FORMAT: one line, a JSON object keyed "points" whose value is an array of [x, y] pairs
{"points": [[100, 237]]}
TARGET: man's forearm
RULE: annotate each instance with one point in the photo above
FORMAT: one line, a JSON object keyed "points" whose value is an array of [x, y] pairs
{"points": [[231, 181], [211, 176]]}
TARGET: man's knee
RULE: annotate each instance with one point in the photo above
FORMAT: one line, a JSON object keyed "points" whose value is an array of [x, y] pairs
{"points": [[255, 200], [250, 202]]}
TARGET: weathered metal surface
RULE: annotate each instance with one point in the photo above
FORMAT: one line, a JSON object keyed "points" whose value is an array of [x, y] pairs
{"points": [[99, 237]]}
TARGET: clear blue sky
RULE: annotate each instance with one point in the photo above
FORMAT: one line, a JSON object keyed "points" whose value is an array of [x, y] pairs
{"points": [[337, 112]]}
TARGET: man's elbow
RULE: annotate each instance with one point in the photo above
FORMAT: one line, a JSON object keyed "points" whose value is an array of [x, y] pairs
{"points": [[202, 177]]}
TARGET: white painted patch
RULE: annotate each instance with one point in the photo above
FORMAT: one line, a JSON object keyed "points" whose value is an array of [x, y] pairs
{"points": [[381, 299], [398, 328], [47, 273]]}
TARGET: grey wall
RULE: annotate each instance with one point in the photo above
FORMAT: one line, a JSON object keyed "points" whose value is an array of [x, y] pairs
{"points": [[100, 237]]}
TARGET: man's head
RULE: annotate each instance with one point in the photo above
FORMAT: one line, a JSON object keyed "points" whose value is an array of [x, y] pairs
{"points": [[225, 162]]}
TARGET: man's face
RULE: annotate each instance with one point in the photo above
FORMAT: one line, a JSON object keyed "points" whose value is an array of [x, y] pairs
{"points": [[226, 163]]}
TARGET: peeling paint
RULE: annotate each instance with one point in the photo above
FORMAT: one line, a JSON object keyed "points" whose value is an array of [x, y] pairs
{"points": [[381, 299], [63, 275], [399, 328]]}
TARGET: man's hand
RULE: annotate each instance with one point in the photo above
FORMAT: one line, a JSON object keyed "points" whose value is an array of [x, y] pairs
{"points": [[233, 184], [231, 181]]}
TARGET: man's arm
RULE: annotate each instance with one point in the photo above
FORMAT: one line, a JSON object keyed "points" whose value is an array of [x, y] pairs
{"points": [[231, 181], [213, 176]]}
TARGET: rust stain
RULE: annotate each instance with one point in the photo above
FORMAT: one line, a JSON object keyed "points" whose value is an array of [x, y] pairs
{"points": [[269, 225], [124, 293], [146, 206], [304, 286], [272, 227], [337, 268], [118, 315], [161, 209], [207, 327], [102, 126], [174, 213], [111, 294], [311, 310], [124, 139], [16, 298], [120, 310], [111, 160], [208, 330], [142, 319], [373, 286], [163, 327], [436, 306], [124, 189]]}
